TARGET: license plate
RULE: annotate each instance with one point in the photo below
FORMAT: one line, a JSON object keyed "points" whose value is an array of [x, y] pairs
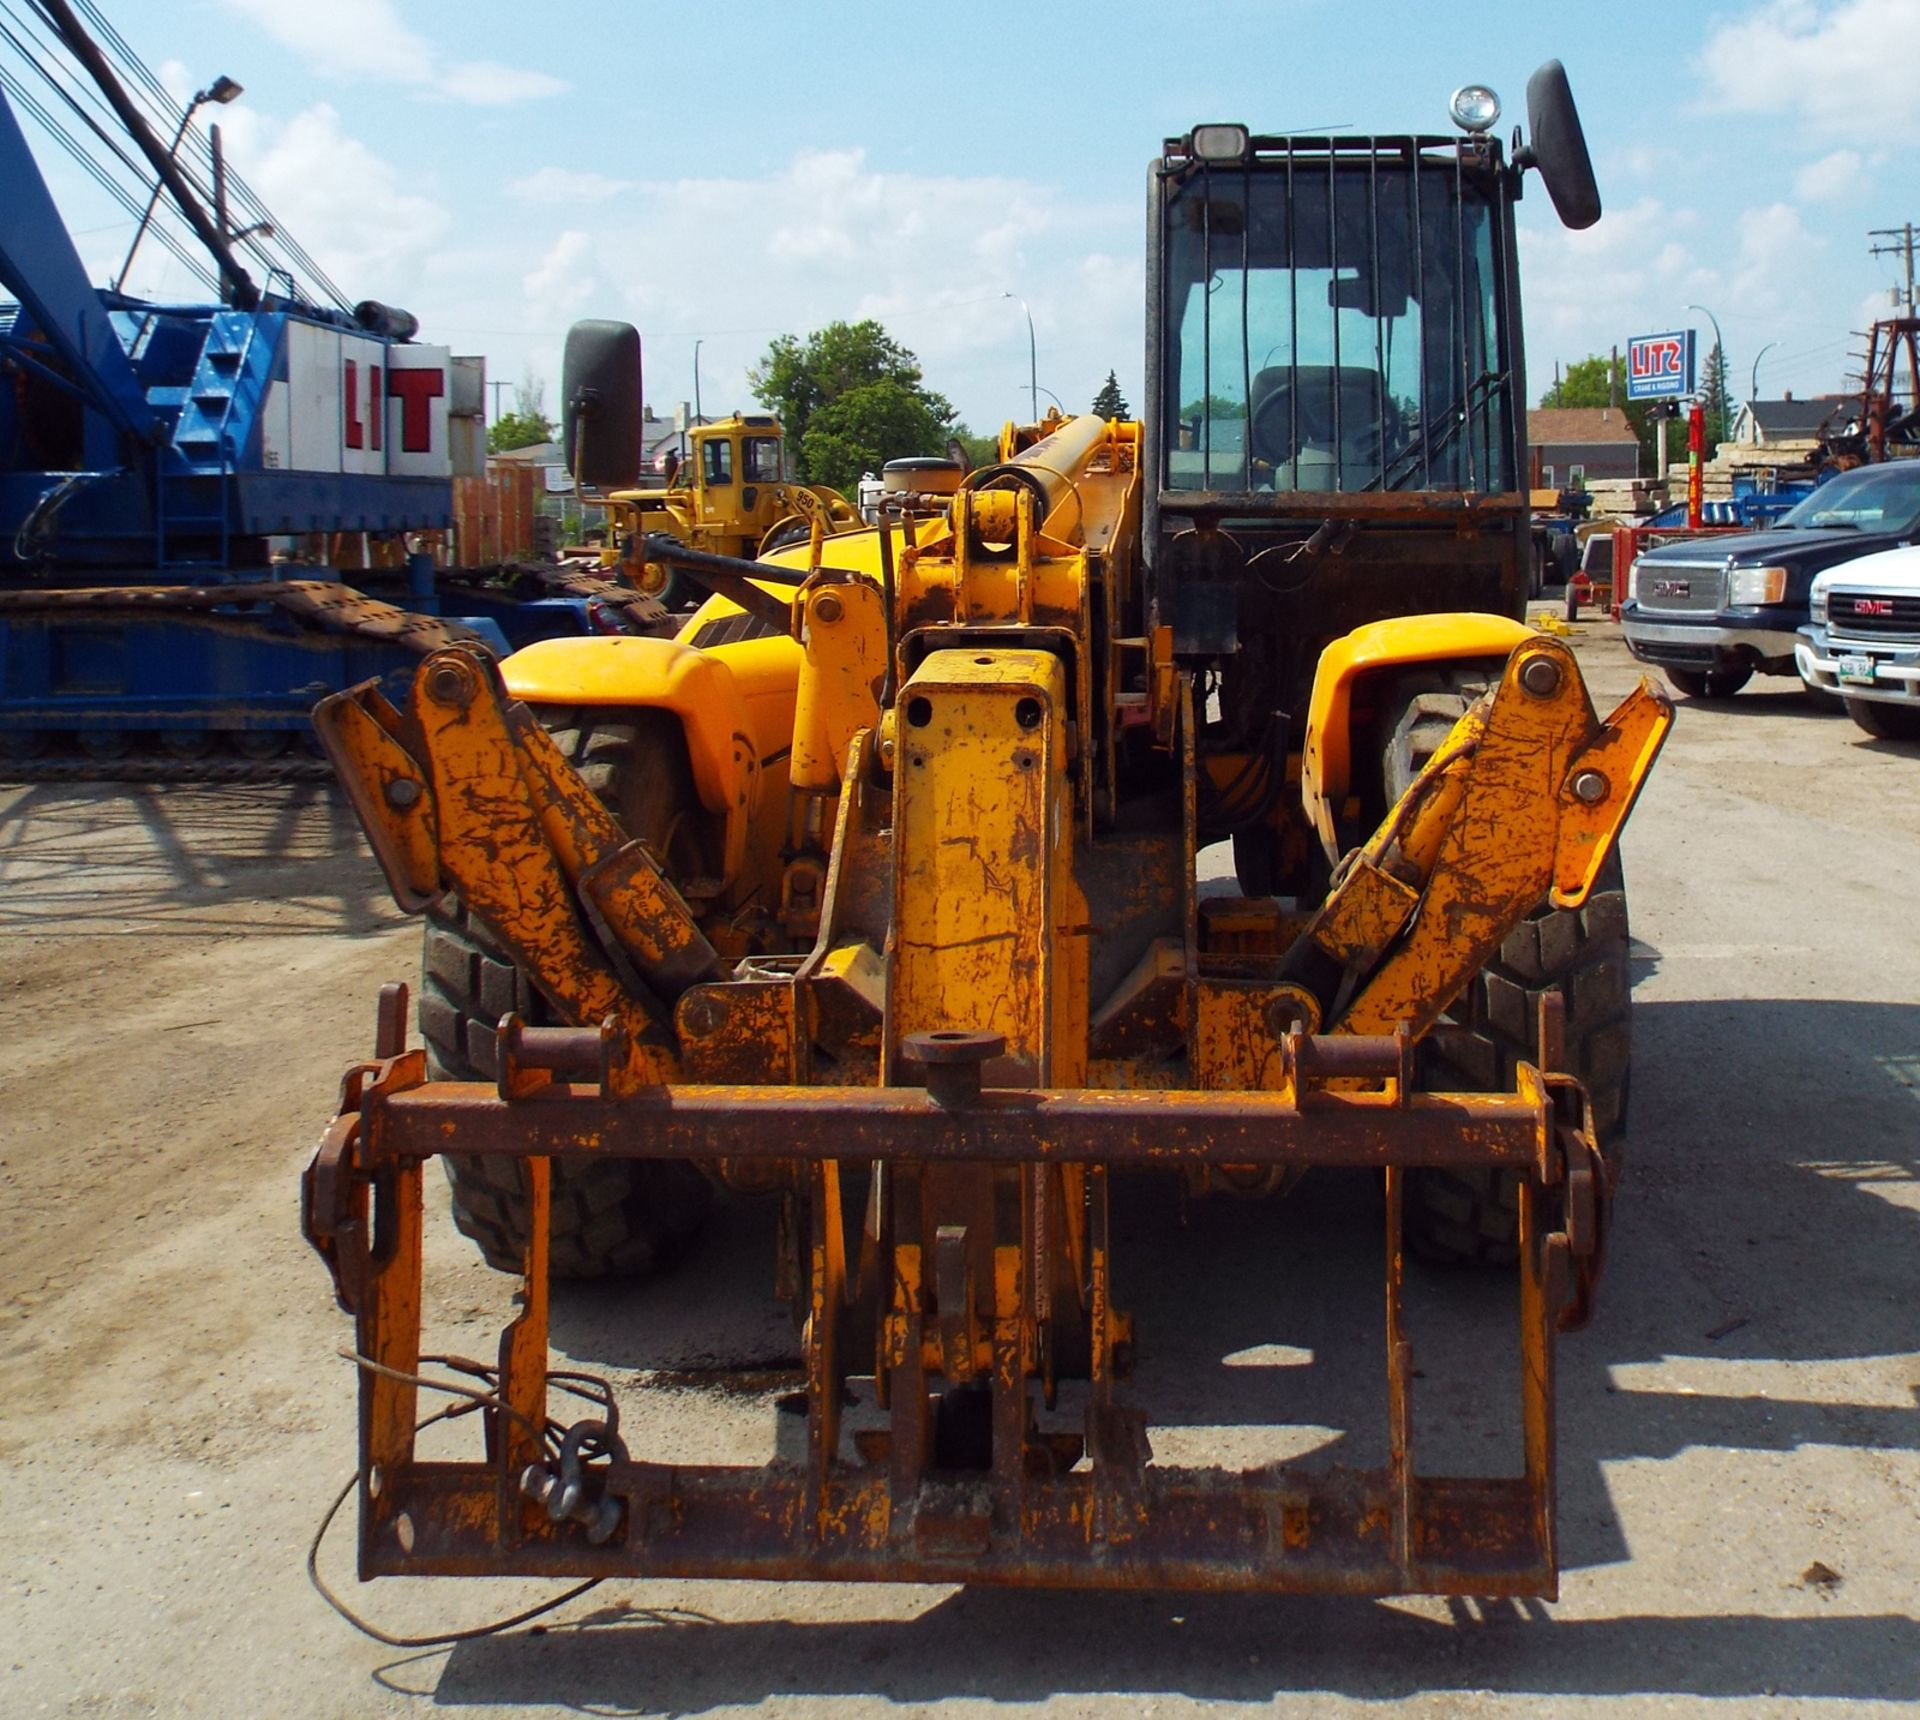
{"points": [[1856, 670]]}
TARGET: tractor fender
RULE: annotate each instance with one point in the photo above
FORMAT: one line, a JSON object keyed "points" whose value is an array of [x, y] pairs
{"points": [[734, 704], [1326, 760]]}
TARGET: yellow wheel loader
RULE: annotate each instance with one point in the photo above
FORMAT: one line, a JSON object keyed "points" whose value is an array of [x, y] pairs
{"points": [[729, 493], [878, 892]]}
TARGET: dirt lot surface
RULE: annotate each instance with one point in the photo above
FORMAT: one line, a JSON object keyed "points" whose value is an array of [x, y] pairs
{"points": [[183, 973]]}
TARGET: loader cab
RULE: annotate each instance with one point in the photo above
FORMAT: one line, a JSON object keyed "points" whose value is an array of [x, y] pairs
{"points": [[1335, 383], [739, 467]]}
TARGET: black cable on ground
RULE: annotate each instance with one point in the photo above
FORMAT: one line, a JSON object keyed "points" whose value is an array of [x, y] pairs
{"points": [[472, 1398]]}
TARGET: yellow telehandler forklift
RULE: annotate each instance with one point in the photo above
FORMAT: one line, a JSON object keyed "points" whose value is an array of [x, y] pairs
{"points": [[729, 495], [877, 892]]}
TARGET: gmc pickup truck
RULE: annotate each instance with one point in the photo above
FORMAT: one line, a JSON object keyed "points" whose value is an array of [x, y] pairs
{"points": [[1713, 611], [1863, 642]]}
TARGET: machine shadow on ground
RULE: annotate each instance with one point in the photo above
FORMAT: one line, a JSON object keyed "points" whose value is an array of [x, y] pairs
{"points": [[1007, 1646], [1770, 696], [186, 859], [1795, 1165]]}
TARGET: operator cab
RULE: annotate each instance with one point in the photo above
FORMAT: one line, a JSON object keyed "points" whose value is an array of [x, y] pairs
{"points": [[1335, 384], [1334, 318]]}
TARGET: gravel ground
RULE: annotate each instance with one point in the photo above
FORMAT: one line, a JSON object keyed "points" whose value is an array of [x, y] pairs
{"points": [[183, 974]]}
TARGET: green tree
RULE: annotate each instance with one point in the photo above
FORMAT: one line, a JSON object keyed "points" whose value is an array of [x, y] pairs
{"points": [[527, 425], [851, 398], [1110, 402], [980, 450], [1215, 406], [1714, 397]]}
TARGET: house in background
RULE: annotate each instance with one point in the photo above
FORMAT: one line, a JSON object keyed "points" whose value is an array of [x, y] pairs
{"points": [[1767, 423], [1576, 444], [660, 436]]}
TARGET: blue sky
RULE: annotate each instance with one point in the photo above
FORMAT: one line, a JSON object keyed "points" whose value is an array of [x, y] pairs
{"points": [[725, 174]]}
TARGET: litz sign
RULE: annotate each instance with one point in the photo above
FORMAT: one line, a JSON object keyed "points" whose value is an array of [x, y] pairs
{"points": [[1660, 366]]}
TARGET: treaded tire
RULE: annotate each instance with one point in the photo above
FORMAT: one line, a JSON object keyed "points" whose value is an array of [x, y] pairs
{"points": [[1709, 683], [1466, 1217], [610, 1217], [1884, 721]]}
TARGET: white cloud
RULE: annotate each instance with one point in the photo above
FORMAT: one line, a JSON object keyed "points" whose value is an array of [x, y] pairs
{"points": [[1630, 274], [1830, 65], [564, 185], [828, 236], [367, 39], [1641, 268], [1832, 176], [353, 211], [1774, 261], [564, 281]]}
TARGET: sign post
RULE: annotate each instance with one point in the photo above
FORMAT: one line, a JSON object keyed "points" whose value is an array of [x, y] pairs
{"points": [[1696, 447]]}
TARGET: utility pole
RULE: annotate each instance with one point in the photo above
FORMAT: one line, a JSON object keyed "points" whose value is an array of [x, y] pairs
{"points": [[1613, 380], [1902, 245], [496, 387]]}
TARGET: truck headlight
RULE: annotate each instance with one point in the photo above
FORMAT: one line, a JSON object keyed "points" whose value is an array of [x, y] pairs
{"points": [[1633, 581], [1756, 585], [1817, 604]]}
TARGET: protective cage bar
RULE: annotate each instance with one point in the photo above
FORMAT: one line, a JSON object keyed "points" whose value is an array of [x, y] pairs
{"points": [[1053, 1510], [1431, 183]]}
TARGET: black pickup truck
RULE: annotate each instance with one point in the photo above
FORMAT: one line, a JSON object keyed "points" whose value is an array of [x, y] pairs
{"points": [[1713, 611]]}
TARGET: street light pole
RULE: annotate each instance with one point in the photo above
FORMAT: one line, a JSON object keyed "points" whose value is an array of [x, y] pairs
{"points": [[222, 90], [1719, 340], [1033, 359], [696, 382], [1753, 382]]}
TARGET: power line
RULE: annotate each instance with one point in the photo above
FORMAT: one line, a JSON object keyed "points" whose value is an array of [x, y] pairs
{"points": [[50, 123], [284, 254]]}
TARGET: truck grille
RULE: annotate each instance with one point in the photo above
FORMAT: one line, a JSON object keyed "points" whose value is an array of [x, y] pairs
{"points": [[1888, 616], [1678, 587]]}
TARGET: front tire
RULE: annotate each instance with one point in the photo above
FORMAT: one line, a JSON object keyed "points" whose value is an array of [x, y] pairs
{"points": [[1472, 1217], [608, 1217], [1709, 683], [1883, 721]]}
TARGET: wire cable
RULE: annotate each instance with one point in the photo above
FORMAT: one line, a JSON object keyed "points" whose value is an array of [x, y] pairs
{"points": [[577, 1384]]}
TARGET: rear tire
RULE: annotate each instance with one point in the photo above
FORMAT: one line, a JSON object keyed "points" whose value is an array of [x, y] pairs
{"points": [[1709, 683], [609, 1217], [1472, 1217], [666, 585], [1883, 721]]}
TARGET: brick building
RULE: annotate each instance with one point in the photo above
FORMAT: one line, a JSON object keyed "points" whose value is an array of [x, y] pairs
{"points": [[1576, 444]]}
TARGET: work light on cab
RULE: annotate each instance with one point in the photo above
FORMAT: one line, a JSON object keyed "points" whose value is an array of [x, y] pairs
{"points": [[1220, 142], [1474, 108]]}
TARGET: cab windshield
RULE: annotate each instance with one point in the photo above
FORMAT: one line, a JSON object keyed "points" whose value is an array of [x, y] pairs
{"points": [[1867, 499], [1335, 324], [762, 460]]}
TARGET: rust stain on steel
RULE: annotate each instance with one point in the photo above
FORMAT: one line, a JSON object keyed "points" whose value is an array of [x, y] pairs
{"points": [[965, 1223], [1154, 1126]]}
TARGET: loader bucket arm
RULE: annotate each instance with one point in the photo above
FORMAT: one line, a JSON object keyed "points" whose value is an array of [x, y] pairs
{"points": [[467, 792], [1524, 802]]}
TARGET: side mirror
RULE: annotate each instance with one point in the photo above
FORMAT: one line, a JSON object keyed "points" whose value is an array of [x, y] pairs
{"points": [[601, 402], [1558, 147]]}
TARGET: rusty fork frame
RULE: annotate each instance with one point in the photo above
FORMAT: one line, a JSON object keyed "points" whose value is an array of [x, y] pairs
{"points": [[1048, 1509]]}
